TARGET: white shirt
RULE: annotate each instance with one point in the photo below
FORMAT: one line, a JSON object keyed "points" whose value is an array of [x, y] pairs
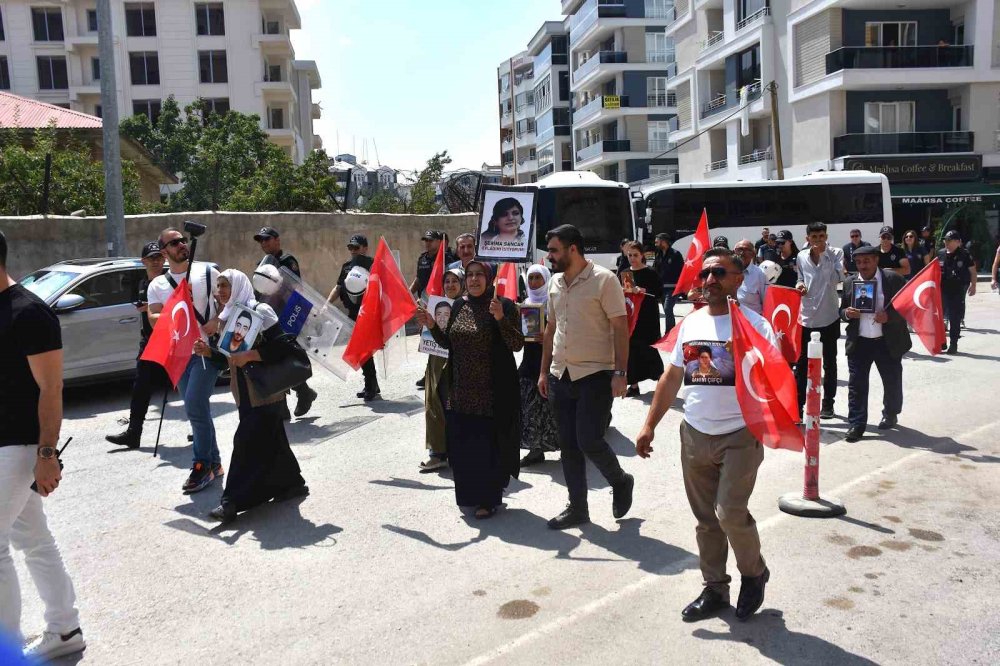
{"points": [[751, 293], [867, 326], [820, 303], [160, 289], [710, 404]]}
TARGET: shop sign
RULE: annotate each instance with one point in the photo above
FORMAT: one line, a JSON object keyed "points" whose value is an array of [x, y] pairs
{"points": [[920, 169], [960, 199]]}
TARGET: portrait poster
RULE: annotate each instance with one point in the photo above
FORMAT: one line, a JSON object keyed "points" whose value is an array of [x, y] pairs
{"points": [[709, 363], [241, 331], [440, 309], [864, 295], [506, 224], [532, 321]]}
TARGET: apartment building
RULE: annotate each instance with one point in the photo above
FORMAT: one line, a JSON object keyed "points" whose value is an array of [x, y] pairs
{"points": [[236, 54], [516, 86], [553, 115], [909, 88]]}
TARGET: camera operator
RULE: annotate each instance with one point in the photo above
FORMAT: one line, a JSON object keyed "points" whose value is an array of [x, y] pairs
{"points": [[198, 380], [148, 375]]}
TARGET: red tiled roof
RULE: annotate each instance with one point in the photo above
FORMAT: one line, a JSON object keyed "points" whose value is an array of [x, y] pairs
{"points": [[17, 111]]}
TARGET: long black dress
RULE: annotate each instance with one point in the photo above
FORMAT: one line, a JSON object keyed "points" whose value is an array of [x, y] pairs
{"points": [[539, 430], [644, 362], [263, 466], [482, 406]]}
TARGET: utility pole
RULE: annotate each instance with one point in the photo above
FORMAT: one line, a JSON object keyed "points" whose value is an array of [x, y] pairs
{"points": [[776, 129], [114, 205]]}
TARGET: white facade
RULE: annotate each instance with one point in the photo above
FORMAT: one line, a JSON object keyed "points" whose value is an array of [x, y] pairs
{"points": [[236, 53], [515, 79]]}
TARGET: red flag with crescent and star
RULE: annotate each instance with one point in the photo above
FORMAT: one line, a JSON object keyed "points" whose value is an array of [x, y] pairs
{"points": [[172, 341], [633, 303], [385, 308], [781, 309], [668, 341], [507, 281], [765, 386], [695, 256], [435, 284], [924, 311]]}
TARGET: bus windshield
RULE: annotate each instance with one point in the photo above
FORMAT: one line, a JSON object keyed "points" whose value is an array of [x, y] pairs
{"points": [[602, 214]]}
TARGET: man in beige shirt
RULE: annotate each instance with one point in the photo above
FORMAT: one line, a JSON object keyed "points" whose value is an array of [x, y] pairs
{"points": [[584, 359]]}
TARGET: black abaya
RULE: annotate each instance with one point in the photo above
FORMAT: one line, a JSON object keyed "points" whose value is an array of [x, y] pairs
{"points": [[644, 362]]}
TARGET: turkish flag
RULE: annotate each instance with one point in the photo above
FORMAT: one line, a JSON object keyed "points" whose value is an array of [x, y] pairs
{"points": [[632, 304], [172, 341], [386, 306], [435, 284], [781, 308], [507, 281], [668, 341], [924, 312], [765, 386], [695, 256]]}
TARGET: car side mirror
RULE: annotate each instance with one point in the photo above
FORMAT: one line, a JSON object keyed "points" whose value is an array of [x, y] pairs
{"points": [[68, 303]]}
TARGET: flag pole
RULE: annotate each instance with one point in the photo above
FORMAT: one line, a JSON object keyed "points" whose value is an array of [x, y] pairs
{"points": [[159, 428]]}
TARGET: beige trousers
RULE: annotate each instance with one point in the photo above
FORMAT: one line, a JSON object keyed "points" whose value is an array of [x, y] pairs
{"points": [[719, 476]]}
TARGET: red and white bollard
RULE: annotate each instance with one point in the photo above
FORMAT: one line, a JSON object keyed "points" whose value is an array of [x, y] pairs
{"points": [[809, 504]]}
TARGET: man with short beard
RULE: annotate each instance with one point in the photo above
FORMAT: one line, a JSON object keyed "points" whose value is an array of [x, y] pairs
{"points": [[198, 381]]}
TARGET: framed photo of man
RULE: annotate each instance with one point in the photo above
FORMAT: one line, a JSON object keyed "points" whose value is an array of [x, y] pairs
{"points": [[440, 309], [863, 292], [240, 332], [506, 224], [532, 321]]}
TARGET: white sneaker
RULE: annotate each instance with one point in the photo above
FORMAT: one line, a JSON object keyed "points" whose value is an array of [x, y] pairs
{"points": [[51, 645]]}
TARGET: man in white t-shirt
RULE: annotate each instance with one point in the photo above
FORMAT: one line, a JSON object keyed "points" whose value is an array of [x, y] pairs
{"points": [[719, 456], [198, 380]]}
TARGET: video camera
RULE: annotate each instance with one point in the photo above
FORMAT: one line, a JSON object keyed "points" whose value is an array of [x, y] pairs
{"points": [[194, 229]]}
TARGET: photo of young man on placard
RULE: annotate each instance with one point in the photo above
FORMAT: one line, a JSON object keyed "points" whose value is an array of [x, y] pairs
{"points": [[241, 331], [864, 296], [440, 308], [532, 321], [505, 226]]}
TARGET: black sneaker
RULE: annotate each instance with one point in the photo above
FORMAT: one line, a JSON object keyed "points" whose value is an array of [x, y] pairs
{"points": [[622, 500], [129, 438], [201, 477], [571, 517], [305, 402], [372, 395], [533, 457], [420, 383], [826, 412], [224, 513]]}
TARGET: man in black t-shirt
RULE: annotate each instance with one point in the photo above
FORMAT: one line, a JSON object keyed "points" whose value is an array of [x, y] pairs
{"points": [[148, 376], [30, 419], [350, 295], [890, 256], [958, 278], [432, 240]]}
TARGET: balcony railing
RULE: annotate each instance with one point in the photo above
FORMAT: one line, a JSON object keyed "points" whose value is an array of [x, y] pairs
{"points": [[661, 99], [898, 57], [753, 18], [675, 15], [714, 38], [598, 58], [666, 55], [598, 147], [716, 166], [655, 10], [902, 143], [754, 90], [756, 156], [672, 69], [717, 103], [546, 170]]}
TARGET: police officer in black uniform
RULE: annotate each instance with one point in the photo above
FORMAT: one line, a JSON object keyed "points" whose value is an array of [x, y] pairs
{"points": [[358, 247], [958, 277], [891, 256], [270, 243], [148, 375]]}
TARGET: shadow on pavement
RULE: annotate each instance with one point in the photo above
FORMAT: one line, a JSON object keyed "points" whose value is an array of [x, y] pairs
{"points": [[409, 405], [619, 443], [651, 555], [408, 484], [866, 525], [770, 635], [275, 526], [908, 438], [305, 432]]}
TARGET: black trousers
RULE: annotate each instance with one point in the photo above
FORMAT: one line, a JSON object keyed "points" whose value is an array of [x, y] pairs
{"points": [[148, 378], [828, 336], [368, 371], [582, 409], [953, 300], [859, 364]]}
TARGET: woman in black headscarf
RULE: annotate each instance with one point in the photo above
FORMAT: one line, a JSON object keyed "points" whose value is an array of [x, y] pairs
{"points": [[482, 405]]}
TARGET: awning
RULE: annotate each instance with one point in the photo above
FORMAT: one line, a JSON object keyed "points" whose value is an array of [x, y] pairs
{"points": [[939, 190]]}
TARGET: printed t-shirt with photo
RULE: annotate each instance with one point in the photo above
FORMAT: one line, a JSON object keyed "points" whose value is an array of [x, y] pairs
{"points": [[704, 350]]}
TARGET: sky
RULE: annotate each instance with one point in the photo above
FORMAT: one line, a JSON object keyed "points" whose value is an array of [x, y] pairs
{"points": [[414, 77]]}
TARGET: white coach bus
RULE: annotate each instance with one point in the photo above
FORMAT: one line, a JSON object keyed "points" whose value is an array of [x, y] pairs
{"points": [[844, 200]]}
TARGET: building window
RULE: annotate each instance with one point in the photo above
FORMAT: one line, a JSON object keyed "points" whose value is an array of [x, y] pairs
{"points": [[563, 86], [272, 73], [147, 107], [658, 48], [747, 8], [210, 18], [662, 170], [145, 66], [98, 110], [656, 92], [217, 105], [276, 118], [47, 22], [956, 118], [889, 117], [543, 94], [2, 36], [140, 19], [658, 133], [896, 33], [91, 20], [95, 69], [212, 66], [4, 74], [269, 27], [52, 73], [748, 63]]}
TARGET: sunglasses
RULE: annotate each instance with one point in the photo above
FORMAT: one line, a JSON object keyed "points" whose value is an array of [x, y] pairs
{"points": [[177, 241], [718, 272], [886, 237], [855, 235]]}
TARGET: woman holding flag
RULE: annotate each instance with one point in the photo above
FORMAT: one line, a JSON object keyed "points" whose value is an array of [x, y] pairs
{"points": [[644, 362]]}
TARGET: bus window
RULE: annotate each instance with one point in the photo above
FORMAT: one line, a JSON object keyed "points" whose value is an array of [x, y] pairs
{"points": [[602, 214]]}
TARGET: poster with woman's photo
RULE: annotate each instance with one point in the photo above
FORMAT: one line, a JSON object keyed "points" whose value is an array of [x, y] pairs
{"points": [[440, 309], [709, 363], [505, 225], [241, 331], [532, 321]]}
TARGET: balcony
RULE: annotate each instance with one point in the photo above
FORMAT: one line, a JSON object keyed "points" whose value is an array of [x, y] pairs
{"points": [[591, 65], [898, 57], [274, 89], [757, 155], [903, 143], [273, 44], [714, 105], [527, 166], [676, 16], [715, 38], [316, 112], [661, 100], [753, 19], [598, 147], [586, 17], [720, 165], [546, 170]]}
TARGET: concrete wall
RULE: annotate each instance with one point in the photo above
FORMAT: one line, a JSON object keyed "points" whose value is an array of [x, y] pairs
{"points": [[318, 240]]}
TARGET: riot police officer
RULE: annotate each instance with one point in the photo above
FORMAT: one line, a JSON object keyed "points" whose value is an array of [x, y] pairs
{"points": [[351, 286], [270, 243], [958, 277]]}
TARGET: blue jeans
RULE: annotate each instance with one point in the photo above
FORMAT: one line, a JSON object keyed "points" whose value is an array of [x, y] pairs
{"points": [[196, 387], [668, 308]]}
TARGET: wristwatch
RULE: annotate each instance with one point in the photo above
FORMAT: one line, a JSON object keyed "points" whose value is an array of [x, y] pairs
{"points": [[618, 373], [47, 452]]}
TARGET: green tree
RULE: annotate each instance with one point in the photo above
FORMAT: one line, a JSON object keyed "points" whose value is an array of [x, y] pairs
{"points": [[77, 178]]}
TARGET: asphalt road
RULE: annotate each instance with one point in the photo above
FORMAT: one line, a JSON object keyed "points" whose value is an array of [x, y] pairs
{"points": [[378, 566]]}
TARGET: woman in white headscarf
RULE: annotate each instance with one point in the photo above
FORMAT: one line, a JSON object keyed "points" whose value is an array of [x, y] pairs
{"points": [[263, 467], [538, 423]]}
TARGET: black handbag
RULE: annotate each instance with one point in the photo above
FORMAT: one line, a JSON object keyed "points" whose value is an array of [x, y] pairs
{"points": [[270, 379]]}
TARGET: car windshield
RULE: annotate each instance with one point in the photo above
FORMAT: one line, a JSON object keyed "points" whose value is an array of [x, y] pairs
{"points": [[46, 283]]}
